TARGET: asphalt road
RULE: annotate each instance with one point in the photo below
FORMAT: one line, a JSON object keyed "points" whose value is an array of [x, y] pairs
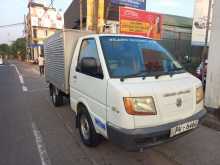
{"points": [[33, 132]]}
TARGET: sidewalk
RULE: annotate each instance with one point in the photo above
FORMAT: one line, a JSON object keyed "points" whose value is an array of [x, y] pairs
{"points": [[35, 67], [212, 119]]}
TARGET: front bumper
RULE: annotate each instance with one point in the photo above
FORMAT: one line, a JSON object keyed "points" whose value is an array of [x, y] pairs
{"points": [[135, 139]]}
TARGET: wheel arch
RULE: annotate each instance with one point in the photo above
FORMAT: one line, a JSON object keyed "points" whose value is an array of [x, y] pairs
{"points": [[80, 107]]}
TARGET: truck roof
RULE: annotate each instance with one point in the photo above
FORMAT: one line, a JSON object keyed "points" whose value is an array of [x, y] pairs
{"points": [[117, 35], [91, 34]]}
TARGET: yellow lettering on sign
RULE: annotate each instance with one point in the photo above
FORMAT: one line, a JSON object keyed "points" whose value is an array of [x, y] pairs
{"points": [[134, 26]]}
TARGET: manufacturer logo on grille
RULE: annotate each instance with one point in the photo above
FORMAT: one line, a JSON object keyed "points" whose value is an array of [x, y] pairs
{"points": [[179, 102]]}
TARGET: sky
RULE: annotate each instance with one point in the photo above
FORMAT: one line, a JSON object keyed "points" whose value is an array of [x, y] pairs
{"points": [[175, 7], [13, 11]]}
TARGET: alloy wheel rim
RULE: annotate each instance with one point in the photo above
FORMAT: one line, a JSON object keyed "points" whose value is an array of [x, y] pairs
{"points": [[84, 126]]}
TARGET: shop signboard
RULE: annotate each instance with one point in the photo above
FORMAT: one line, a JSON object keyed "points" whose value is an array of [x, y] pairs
{"points": [[139, 22], [200, 22]]}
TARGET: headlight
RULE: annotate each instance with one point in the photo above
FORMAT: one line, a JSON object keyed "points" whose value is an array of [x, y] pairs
{"points": [[199, 95], [140, 105]]}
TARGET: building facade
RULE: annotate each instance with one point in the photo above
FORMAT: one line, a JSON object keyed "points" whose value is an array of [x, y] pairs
{"points": [[41, 22]]}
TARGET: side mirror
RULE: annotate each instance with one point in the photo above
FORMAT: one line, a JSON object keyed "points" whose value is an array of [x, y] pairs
{"points": [[90, 67]]}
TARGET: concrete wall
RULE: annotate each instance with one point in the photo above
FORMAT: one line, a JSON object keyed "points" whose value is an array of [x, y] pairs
{"points": [[212, 98]]}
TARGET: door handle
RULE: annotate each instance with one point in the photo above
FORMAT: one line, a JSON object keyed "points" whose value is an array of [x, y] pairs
{"points": [[75, 77]]}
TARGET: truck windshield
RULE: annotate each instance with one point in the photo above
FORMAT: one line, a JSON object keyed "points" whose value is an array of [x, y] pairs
{"points": [[135, 57]]}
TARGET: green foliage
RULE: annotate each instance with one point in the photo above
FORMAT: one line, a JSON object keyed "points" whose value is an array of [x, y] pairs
{"points": [[17, 48], [4, 49]]}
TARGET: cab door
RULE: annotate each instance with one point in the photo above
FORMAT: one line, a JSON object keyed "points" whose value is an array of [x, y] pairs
{"points": [[89, 84]]}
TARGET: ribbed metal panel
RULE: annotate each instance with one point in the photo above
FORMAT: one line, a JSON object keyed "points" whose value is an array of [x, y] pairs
{"points": [[54, 55], [58, 51]]}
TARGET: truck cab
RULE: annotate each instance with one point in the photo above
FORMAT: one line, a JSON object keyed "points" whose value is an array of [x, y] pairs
{"points": [[129, 89]]}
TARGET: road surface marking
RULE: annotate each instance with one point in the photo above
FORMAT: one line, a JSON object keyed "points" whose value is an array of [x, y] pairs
{"points": [[24, 88], [16, 69], [21, 79], [19, 74], [40, 146]]}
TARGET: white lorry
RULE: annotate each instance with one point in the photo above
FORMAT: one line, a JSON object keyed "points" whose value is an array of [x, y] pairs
{"points": [[125, 88]]}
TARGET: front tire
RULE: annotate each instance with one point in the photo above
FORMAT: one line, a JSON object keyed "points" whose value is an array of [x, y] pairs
{"points": [[87, 131]]}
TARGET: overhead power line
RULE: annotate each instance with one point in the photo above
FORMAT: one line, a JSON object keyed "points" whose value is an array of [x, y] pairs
{"points": [[11, 25]]}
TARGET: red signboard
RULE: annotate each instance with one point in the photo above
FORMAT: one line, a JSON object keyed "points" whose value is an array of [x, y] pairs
{"points": [[139, 22]]}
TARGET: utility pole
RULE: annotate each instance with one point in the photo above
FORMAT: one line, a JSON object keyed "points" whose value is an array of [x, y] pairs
{"points": [[30, 31], [95, 9], [205, 48], [81, 15]]}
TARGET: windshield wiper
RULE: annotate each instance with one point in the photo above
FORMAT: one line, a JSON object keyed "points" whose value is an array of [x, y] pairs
{"points": [[171, 72], [143, 72], [162, 73], [156, 74]]}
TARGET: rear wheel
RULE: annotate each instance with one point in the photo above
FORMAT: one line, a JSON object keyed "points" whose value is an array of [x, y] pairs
{"points": [[56, 96], [87, 131]]}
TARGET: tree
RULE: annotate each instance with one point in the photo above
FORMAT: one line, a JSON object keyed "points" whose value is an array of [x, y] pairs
{"points": [[18, 47], [4, 49]]}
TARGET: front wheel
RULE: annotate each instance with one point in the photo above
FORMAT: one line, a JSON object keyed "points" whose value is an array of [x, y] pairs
{"points": [[87, 131]]}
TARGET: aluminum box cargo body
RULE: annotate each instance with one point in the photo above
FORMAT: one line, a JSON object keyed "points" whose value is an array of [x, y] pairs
{"points": [[58, 51]]}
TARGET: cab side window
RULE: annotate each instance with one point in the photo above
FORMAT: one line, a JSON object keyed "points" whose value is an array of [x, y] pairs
{"points": [[88, 60]]}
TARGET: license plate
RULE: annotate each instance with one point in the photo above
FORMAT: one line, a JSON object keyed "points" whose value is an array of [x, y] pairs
{"points": [[183, 128]]}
